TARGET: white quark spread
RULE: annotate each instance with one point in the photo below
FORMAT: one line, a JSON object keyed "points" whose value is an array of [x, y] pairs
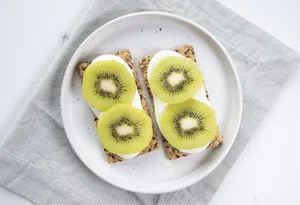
{"points": [[136, 102], [161, 106]]}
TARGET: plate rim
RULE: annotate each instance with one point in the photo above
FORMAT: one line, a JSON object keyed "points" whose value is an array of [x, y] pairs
{"points": [[177, 17]]}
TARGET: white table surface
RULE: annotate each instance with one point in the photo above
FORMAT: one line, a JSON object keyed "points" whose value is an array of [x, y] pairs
{"points": [[267, 172]]}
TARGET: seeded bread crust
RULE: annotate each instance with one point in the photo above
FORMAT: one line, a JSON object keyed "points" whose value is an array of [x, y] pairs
{"points": [[172, 152], [154, 144]]}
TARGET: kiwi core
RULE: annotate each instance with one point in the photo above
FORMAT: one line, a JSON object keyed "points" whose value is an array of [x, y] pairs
{"points": [[108, 85], [125, 130], [189, 123], [175, 78]]}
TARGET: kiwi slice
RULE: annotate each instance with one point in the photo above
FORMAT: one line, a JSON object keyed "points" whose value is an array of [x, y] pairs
{"points": [[124, 129], [106, 83], [175, 79], [188, 125]]}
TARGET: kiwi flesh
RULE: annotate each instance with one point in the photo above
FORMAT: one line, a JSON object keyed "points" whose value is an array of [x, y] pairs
{"points": [[106, 83], [188, 125], [124, 129], [175, 79]]}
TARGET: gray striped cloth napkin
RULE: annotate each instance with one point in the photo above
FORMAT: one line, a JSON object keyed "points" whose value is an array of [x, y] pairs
{"points": [[37, 161]]}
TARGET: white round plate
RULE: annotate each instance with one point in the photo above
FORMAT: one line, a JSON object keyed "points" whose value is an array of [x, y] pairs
{"points": [[145, 34]]}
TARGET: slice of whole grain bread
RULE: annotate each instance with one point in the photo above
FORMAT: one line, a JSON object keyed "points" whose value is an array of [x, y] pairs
{"points": [[154, 144], [172, 152]]}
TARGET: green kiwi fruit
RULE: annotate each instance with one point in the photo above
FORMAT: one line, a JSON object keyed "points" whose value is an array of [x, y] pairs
{"points": [[124, 129], [188, 125], [106, 83], [175, 79]]}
